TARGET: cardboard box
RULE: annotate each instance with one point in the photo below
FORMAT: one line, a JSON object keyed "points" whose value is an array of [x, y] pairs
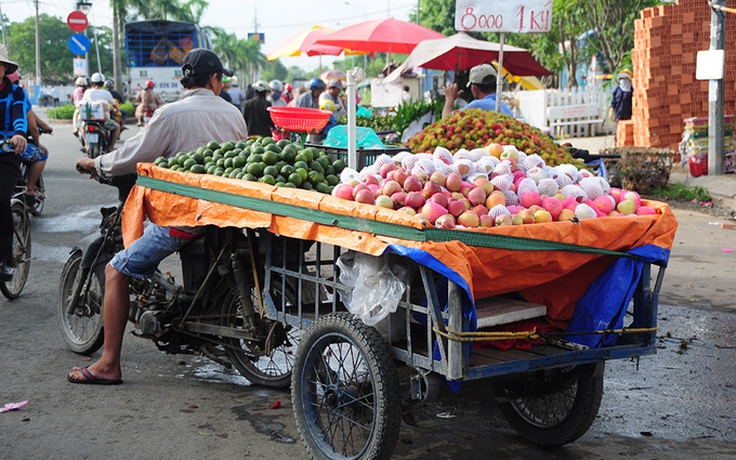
{"points": [[94, 110]]}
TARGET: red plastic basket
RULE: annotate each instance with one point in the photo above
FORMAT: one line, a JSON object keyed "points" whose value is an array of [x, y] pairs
{"points": [[299, 119]]}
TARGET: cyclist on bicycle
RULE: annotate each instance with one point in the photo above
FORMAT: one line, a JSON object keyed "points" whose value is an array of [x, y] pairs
{"points": [[13, 127]]}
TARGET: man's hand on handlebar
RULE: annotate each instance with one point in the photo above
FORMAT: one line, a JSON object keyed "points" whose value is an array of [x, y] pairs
{"points": [[86, 166]]}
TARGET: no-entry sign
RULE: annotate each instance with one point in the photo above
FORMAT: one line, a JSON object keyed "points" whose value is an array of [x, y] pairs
{"points": [[77, 21]]}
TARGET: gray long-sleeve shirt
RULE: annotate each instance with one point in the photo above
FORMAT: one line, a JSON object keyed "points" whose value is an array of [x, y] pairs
{"points": [[197, 118]]}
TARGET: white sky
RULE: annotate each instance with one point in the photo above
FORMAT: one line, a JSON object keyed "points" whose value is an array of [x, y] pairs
{"points": [[277, 19]]}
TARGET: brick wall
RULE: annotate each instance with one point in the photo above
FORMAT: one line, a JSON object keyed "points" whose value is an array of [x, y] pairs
{"points": [[666, 42]]}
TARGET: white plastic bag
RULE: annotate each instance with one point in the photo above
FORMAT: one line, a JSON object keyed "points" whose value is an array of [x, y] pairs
{"points": [[377, 286]]}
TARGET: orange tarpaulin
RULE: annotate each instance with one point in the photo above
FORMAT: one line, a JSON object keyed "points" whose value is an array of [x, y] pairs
{"points": [[556, 278]]}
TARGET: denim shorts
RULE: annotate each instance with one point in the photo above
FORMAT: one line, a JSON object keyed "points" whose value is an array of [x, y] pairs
{"points": [[141, 258], [34, 154]]}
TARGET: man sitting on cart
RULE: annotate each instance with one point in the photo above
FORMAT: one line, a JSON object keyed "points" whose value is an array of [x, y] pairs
{"points": [[197, 118]]}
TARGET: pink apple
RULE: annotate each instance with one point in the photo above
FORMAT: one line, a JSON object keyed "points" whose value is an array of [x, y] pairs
{"points": [[454, 182], [431, 188], [486, 220], [384, 201], [468, 219], [445, 221], [626, 207], [414, 199], [480, 210], [385, 168], [438, 177], [483, 183], [456, 207], [366, 196], [412, 184], [542, 216], [400, 176], [440, 199], [370, 179]]}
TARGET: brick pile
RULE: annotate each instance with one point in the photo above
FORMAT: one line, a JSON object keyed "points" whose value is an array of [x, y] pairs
{"points": [[666, 42]]}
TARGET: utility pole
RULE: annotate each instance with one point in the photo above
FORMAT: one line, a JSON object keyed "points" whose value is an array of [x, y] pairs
{"points": [[117, 66], [2, 23], [38, 49], [716, 93]]}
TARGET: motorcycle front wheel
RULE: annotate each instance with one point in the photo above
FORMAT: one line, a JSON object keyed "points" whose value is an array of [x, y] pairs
{"points": [[83, 329]]}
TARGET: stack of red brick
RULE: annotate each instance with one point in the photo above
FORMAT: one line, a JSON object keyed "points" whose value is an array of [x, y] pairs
{"points": [[666, 42]]}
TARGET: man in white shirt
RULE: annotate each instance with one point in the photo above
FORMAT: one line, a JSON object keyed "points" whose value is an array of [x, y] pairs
{"points": [[98, 93]]}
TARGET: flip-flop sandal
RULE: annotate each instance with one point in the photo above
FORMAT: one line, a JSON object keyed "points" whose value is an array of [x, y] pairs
{"points": [[90, 379]]}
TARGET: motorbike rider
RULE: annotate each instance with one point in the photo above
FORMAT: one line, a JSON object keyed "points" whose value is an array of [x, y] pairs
{"points": [[99, 94], [198, 117], [148, 102], [277, 88], [121, 115]]}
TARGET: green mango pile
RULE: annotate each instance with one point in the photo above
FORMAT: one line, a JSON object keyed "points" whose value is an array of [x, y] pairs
{"points": [[281, 163]]}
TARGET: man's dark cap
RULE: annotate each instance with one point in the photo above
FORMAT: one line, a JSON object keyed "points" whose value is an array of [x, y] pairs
{"points": [[201, 61]]}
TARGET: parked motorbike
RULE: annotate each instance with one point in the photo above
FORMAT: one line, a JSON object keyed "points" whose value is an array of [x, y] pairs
{"points": [[215, 312], [96, 138]]}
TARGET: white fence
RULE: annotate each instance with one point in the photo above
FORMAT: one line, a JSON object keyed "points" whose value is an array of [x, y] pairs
{"points": [[575, 112]]}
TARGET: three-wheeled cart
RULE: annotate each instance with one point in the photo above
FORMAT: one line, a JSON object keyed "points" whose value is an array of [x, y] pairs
{"points": [[533, 309]]}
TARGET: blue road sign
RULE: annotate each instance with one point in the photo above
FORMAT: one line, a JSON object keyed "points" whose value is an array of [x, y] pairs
{"points": [[79, 44]]}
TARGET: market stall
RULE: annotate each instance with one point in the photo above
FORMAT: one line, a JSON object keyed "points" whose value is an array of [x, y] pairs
{"points": [[583, 274]]}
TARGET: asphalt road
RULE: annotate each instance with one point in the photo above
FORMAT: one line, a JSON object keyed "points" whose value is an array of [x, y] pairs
{"points": [[678, 404]]}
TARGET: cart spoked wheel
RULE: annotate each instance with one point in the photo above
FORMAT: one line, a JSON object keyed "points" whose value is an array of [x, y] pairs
{"points": [[345, 391], [555, 406]]}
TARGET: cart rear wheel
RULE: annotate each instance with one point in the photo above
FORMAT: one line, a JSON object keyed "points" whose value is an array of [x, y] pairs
{"points": [[345, 391], [556, 406]]}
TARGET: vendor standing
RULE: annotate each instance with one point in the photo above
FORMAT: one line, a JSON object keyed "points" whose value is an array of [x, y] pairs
{"points": [[622, 101]]}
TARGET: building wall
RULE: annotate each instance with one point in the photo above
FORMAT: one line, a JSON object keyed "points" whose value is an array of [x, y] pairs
{"points": [[666, 42]]}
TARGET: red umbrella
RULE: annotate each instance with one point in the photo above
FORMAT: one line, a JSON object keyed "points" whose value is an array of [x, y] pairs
{"points": [[381, 36], [461, 52]]}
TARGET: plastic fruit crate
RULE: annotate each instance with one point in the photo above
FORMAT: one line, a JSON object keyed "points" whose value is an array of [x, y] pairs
{"points": [[299, 119], [366, 157]]}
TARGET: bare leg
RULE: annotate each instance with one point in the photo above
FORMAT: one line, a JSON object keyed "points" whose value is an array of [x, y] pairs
{"points": [[33, 174], [115, 317], [114, 138]]}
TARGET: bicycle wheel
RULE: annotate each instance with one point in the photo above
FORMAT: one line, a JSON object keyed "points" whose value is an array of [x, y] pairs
{"points": [[21, 251], [83, 329], [345, 391], [272, 367], [554, 407]]}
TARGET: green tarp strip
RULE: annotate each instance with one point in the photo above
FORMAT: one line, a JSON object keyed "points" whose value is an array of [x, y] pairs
{"points": [[368, 225]]}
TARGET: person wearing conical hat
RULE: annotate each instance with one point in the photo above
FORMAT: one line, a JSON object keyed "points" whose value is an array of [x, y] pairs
{"points": [[13, 127]]}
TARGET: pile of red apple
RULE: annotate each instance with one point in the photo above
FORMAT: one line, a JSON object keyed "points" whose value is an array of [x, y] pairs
{"points": [[518, 190]]}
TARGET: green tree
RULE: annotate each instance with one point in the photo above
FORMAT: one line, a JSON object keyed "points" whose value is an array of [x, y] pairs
{"points": [[275, 71], [56, 59], [614, 22]]}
